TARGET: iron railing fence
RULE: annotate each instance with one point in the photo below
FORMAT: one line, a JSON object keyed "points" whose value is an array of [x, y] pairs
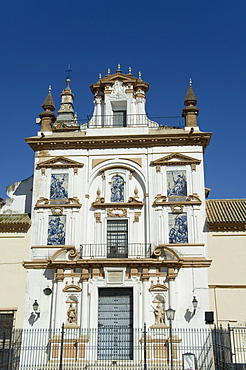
{"points": [[128, 120], [229, 345], [109, 348], [132, 120], [120, 250]]}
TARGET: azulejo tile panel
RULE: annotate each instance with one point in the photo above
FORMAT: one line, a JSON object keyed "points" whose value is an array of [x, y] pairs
{"points": [[176, 184], [56, 230], [59, 187], [178, 231], [117, 189]]}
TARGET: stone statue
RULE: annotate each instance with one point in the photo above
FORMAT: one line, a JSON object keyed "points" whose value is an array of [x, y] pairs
{"points": [[71, 315], [159, 315]]}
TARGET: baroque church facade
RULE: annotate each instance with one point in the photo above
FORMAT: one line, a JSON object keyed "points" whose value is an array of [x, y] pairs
{"points": [[118, 214]]}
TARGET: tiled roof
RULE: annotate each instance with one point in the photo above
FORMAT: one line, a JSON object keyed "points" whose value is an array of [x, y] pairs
{"points": [[226, 213], [14, 222]]}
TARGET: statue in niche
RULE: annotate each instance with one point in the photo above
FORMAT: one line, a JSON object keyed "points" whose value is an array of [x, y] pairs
{"points": [[117, 189], [159, 315], [71, 315]]}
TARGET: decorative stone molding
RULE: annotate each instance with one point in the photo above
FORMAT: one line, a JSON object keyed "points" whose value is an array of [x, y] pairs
{"points": [[175, 159], [66, 203], [136, 216], [155, 139], [116, 212], [190, 200], [59, 162], [71, 251], [166, 252], [177, 208], [72, 287], [100, 202], [184, 262], [158, 286], [57, 210], [97, 216]]}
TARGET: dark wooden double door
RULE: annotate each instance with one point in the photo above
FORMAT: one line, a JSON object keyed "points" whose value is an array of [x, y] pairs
{"points": [[115, 324]]}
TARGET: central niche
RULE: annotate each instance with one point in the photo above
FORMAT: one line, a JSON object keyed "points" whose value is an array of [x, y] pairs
{"points": [[117, 189]]}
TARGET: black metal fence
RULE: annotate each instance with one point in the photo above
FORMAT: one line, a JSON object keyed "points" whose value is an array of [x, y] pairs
{"points": [[106, 348], [229, 345], [131, 120], [127, 250]]}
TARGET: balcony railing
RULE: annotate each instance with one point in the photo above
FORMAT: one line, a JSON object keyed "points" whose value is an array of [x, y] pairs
{"points": [[130, 250], [131, 120]]}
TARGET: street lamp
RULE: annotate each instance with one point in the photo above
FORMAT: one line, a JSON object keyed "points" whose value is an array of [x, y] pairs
{"points": [[170, 317], [194, 303], [35, 307]]}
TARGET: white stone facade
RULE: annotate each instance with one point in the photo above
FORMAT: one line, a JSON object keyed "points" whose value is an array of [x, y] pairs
{"points": [[83, 241]]}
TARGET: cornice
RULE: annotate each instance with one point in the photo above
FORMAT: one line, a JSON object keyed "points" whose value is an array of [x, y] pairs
{"points": [[184, 262], [15, 227], [226, 226], [80, 141]]}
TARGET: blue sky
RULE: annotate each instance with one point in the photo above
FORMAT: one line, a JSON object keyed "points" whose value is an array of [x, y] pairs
{"points": [[169, 41]]}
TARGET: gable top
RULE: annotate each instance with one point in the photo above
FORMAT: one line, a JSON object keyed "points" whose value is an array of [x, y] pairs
{"points": [[59, 162], [175, 159], [127, 79]]}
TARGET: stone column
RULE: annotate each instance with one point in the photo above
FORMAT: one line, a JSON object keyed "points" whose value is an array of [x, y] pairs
{"points": [[84, 313], [145, 285]]}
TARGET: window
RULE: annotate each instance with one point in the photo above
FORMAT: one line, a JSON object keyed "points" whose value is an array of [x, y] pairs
{"points": [[117, 189], [6, 324], [119, 118], [117, 239]]}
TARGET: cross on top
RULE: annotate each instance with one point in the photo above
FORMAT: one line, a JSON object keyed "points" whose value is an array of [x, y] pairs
{"points": [[68, 70]]}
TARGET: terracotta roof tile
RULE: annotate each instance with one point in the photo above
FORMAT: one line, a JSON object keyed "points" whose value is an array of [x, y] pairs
{"points": [[14, 222], [227, 213]]}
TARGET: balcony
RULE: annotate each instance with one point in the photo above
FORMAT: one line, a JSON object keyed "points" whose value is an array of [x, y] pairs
{"points": [[120, 250], [131, 120]]}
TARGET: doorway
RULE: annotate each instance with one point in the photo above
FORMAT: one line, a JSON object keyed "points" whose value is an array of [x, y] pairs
{"points": [[115, 324]]}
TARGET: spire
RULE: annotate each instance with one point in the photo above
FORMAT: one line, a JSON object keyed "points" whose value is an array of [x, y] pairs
{"points": [[191, 111], [48, 117], [49, 102], [66, 119]]}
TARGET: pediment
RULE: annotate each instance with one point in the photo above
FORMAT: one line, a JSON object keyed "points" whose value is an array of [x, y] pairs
{"points": [[118, 76], [175, 159], [59, 162], [127, 79]]}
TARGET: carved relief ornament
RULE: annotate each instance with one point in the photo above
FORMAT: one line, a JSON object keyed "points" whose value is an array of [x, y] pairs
{"points": [[117, 212]]}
